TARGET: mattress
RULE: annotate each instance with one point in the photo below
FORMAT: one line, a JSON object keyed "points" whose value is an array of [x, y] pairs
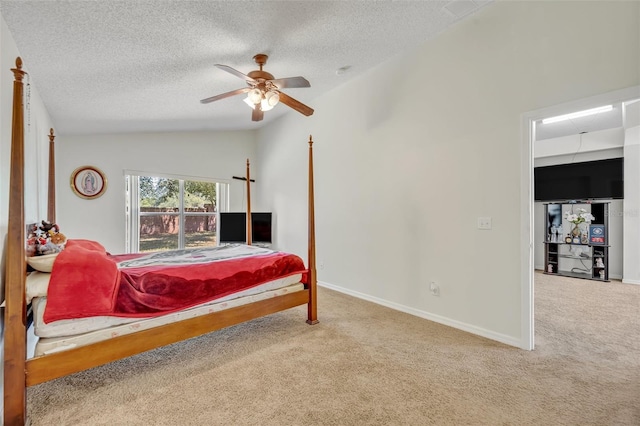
{"points": [[84, 325], [56, 344]]}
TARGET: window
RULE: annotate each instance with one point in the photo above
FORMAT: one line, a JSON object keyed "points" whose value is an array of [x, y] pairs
{"points": [[168, 213]]}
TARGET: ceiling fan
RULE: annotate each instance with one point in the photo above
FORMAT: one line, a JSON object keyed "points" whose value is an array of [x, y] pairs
{"points": [[263, 90]]}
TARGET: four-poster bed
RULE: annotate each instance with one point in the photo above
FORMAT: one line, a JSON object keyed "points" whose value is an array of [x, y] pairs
{"points": [[20, 372]]}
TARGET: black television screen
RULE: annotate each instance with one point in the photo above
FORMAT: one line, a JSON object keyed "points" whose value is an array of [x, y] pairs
{"points": [[233, 227], [589, 180], [261, 227]]}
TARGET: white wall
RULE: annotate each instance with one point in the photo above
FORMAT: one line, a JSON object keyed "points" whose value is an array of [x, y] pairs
{"points": [[36, 141], [591, 146], [411, 154], [209, 155]]}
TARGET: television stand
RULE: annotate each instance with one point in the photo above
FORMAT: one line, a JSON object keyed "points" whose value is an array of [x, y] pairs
{"points": [[583, 256]]}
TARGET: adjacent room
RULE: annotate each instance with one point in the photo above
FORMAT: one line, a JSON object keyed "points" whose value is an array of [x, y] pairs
{"points": [[320, 212], [586, 222], [580, 160]]}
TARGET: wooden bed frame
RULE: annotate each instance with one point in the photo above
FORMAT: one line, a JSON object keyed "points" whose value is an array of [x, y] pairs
{"points": [[20, 372]]}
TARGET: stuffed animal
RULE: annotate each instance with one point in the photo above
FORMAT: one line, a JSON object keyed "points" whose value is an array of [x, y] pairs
{"points": [[48, 238], [49, 227], [58, 238]]}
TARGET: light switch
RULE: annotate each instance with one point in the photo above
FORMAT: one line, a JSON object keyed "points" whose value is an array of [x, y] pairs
{"points": [[484, 223]]}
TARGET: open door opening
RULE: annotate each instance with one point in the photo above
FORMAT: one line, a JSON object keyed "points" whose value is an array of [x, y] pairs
{"points": [[591, 137]]}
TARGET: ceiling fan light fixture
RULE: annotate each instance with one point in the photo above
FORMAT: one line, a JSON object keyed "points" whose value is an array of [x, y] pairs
{"points": [[272, 98], [263, 90], [249, 102], [264, 105], [255, 96]]}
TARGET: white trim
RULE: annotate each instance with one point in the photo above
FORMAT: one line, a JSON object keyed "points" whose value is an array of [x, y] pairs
{"points": [[634, 282], [526, 234], [526, 241], [502, 338], [127, 172]]}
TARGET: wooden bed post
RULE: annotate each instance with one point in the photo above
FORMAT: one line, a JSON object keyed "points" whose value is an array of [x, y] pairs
{"points": [[51, 200], [248, 205], [312, 307], [15, 333]]}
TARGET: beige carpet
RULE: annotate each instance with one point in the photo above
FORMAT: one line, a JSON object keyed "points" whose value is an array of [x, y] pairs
{"points": [[369, 365]]}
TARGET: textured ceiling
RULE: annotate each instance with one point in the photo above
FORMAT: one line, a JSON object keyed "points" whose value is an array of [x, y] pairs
{"points": [[126, 66]]}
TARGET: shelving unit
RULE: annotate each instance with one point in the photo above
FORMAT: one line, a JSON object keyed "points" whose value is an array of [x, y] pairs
{"points": [[583, 257]]}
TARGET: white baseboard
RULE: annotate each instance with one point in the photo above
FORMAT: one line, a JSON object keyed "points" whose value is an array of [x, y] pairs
{"points": [[637, 282], [502, 338]]}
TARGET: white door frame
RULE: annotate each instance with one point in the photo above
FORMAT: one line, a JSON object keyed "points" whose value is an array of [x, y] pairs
{"points": [[526, 203]]}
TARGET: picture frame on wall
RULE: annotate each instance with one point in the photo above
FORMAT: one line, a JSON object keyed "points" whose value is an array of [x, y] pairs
{"points": [[88, 182]]}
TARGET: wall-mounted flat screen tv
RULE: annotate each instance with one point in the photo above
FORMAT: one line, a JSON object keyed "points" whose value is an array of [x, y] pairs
{"points": [[233, 227], [589, 180]]}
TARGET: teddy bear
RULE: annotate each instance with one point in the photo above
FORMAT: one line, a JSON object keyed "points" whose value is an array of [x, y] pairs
{"points": [[49, 239]]}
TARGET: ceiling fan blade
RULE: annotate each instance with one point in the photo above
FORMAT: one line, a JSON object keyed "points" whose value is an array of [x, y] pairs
{"points": [[297, 105], [283, 83], [236, 73], [257, 113], [225, 95]]}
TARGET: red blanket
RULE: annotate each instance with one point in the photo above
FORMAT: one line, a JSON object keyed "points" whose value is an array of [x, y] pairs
{"points": [[87, 281]]}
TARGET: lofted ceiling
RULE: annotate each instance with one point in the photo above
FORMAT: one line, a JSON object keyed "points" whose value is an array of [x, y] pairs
{"points": [[137, 66]]}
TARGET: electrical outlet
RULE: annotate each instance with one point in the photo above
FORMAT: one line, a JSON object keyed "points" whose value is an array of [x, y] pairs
{"points": [[434, 288]]}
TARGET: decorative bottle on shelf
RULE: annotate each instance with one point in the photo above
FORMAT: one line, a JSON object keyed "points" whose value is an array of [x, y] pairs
{"points": [[585, 238], [576, 232]]}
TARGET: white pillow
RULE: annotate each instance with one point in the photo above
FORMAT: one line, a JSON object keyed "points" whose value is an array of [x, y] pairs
{"points": [[42, 263], [37, 285]]}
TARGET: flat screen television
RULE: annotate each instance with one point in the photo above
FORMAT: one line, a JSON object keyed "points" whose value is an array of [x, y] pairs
{"points": [[261, 227], [589, 180], [233, 227]]}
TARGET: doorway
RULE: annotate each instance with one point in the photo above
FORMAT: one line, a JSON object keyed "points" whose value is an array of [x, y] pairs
{"points": [[626, 99]]}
